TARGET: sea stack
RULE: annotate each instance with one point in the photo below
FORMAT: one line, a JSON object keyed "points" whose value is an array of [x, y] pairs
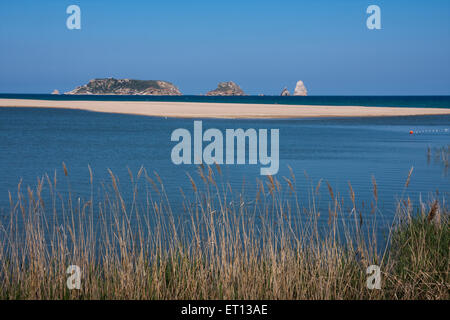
{"points": [[227, 89], [127, 87], [300, 89], [285, 92]]}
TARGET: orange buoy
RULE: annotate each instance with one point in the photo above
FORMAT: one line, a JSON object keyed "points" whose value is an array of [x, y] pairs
{"points": [[411, 132]]}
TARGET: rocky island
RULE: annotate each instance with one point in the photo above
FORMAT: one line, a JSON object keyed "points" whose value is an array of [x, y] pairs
{"points": [[227, 89], [300, 89], [127, 87], [285, 92]]}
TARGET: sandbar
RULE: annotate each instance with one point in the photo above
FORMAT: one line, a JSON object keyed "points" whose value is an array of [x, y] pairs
{"points": [[223, 110]]}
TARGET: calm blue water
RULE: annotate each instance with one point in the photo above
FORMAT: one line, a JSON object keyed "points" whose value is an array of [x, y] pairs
{"points": [[379, 101], [37, 141]]}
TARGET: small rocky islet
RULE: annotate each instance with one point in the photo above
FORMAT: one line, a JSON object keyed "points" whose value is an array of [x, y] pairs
{"points": [[226, 89], [112, 86]]}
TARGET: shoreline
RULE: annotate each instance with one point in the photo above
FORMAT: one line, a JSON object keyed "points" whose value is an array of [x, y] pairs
{"points": [[223, 110]]}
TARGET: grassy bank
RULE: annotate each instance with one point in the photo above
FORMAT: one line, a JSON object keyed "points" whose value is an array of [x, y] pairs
{"points": [[222, 246]]}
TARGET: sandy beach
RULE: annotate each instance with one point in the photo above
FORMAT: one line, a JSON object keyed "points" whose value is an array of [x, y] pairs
{"points": [[223, 110]]}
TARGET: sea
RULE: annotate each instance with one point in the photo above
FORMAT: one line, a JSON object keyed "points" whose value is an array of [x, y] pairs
{"points": [[340, 152]]}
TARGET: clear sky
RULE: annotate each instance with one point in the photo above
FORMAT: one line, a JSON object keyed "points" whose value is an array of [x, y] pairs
{"points": [[261, 45]]}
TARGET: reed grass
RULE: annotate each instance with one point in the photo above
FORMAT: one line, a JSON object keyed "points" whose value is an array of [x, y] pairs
{"points": [[441, 155], [221, 246]]}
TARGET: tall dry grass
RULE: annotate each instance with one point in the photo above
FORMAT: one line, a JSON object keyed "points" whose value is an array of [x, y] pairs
{"points": [[441, 155], [221, 246]]}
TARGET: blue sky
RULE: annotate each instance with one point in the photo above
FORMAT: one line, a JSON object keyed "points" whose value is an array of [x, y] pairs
{"points": [[262, 45]]}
